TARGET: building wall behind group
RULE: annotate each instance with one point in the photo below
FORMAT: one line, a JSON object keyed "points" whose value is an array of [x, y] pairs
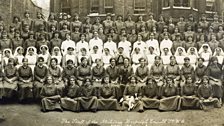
{"points": [[11, 8]]}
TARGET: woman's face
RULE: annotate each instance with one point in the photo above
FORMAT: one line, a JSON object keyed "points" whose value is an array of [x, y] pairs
{"points": [[49, 80], [72, 81], [38, 15], [53, 63], [150, 82], [200, 62], [106, 80], [4, 36], [27, 15], [56, 35], [133, 31], [215, 61], [189, 80], [83, 37], [7, 53], [192, 51], [139, 38], [56, 51], [126, 61], [190, 39], [17, 35], [20, 51], [68, 36], [31, 51], [113, 62], [169, 81], [53, 28], [180, 51], [205, 81], [172, 60]]}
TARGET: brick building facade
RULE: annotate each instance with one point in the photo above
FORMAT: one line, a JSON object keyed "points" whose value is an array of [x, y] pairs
{"points": [[137, 7], [10, 8]]}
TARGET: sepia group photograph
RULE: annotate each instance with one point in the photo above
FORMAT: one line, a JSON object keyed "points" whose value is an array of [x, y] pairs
{"points": [[111, 62]]}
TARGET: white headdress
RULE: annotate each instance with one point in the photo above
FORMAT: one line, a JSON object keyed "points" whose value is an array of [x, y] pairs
{"points": [[221, 52], [177, 52], [17, 49], [202, 50], [34, 50], [195, 51]]}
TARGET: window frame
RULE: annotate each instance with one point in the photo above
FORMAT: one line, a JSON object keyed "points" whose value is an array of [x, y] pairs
{"points": [[108, 7], [142, 11], [91, 6]]}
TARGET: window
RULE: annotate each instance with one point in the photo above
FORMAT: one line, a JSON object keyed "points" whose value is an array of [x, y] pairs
{"points": [[109, 6], [94, 7], [139, 6], [166, 3], [182, 3], [210, 5], [66, 6]]}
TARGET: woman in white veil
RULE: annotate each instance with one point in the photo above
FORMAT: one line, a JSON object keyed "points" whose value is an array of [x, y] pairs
{"points": [[31, 55], [44, 52], [135, 56], [7, 53], [56, 53], [165, 56], [150, 56], [18, 55], [219, 54], [180, 54], [206, 53], [192, 53]]}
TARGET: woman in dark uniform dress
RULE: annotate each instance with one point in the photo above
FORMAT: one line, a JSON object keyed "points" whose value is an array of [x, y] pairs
{"points": [[150, 94], [125, 72], [205, 94], [107, 24], [214, 72], [173, 70], [10, 79], [76, 23], [17, 40], [25, 84], [132, 37], [69, 102], [50, 99], [129, 24], [157, 72], [83, 71], [188, 93], [187, 69], [107, 96], [132, 96], [119, 24], [51, 21], [40, 74], [17, 23], [27, 20], [87, 97], [69, 71], [170, 97], [55, 41], [200, 71], [38, 21], [142, 71], [86, 24], [5, 42], [31, 41], [55, 71], [112, 71], [98, 71], [97, 25], [139, 23]]}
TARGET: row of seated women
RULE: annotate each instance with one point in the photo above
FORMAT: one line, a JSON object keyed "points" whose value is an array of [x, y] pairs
{"points": [[28, 83], [135, 97]]}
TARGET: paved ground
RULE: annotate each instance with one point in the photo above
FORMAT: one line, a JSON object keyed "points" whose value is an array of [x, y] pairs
{"points": [[30, 115]]}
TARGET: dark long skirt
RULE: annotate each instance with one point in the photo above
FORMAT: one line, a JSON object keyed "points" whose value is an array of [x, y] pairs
{"points": [[150, 103], [10, 89], [25, 90], [170, 103], [217, 88], [189, 102], [88, 103], [70, 104], [51, 103], [209, 104], [108, 104], [36, 89]]}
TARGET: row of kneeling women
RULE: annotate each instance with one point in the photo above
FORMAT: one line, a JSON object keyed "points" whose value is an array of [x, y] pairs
{"points": [[135, 97]]}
